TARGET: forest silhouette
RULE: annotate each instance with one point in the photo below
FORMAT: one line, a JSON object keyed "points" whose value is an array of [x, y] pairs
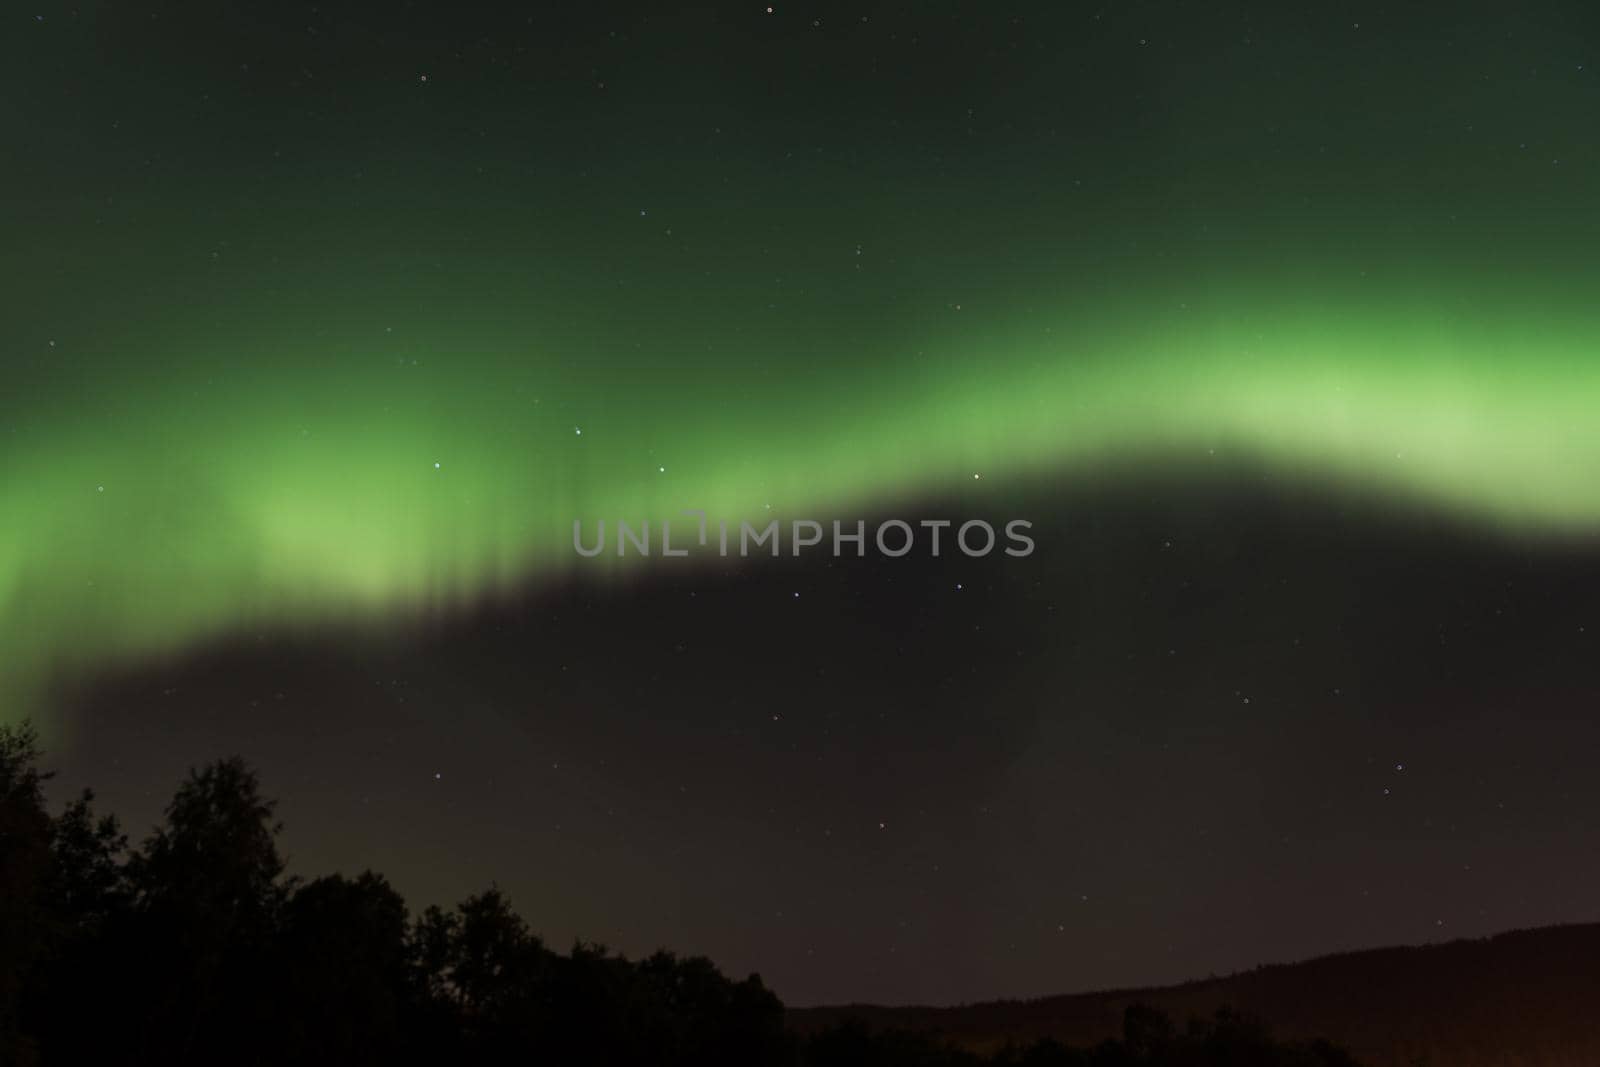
{"points": [[195, 946]]}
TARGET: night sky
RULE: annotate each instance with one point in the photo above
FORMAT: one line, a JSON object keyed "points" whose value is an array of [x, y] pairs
{"points": [[323, 324]]}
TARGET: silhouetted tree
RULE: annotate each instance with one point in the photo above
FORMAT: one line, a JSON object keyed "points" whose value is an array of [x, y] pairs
{"points": [[1146, 1032], [88, 882], [207, 893], [25, 831], [81, 896], [343, 972]]}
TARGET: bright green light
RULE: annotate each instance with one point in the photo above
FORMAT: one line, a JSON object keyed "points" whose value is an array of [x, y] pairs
{"points": [[146, 514]]}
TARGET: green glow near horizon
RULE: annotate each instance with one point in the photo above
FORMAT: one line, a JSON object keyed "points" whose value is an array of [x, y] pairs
{"points": [[150, 511]]}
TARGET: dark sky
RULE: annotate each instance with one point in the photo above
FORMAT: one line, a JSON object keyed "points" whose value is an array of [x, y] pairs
{"points": [[325, 322]]}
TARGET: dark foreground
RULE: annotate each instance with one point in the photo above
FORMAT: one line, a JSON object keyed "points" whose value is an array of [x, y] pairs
{"points": [[195, 947]]}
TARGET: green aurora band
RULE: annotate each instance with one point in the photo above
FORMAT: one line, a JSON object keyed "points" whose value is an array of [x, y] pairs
{"points": [[248, 313], [160, 512]]}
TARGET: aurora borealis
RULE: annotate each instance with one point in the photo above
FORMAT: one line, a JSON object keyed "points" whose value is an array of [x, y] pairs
{"points": [[333, 319], [144, 522], [159, 524]]}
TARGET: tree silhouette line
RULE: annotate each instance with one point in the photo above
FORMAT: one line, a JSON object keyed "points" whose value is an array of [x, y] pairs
{"points": [[196, 947]]}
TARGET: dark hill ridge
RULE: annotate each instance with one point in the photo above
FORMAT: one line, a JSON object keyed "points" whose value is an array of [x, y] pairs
{"points": [[1529, 998]]}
